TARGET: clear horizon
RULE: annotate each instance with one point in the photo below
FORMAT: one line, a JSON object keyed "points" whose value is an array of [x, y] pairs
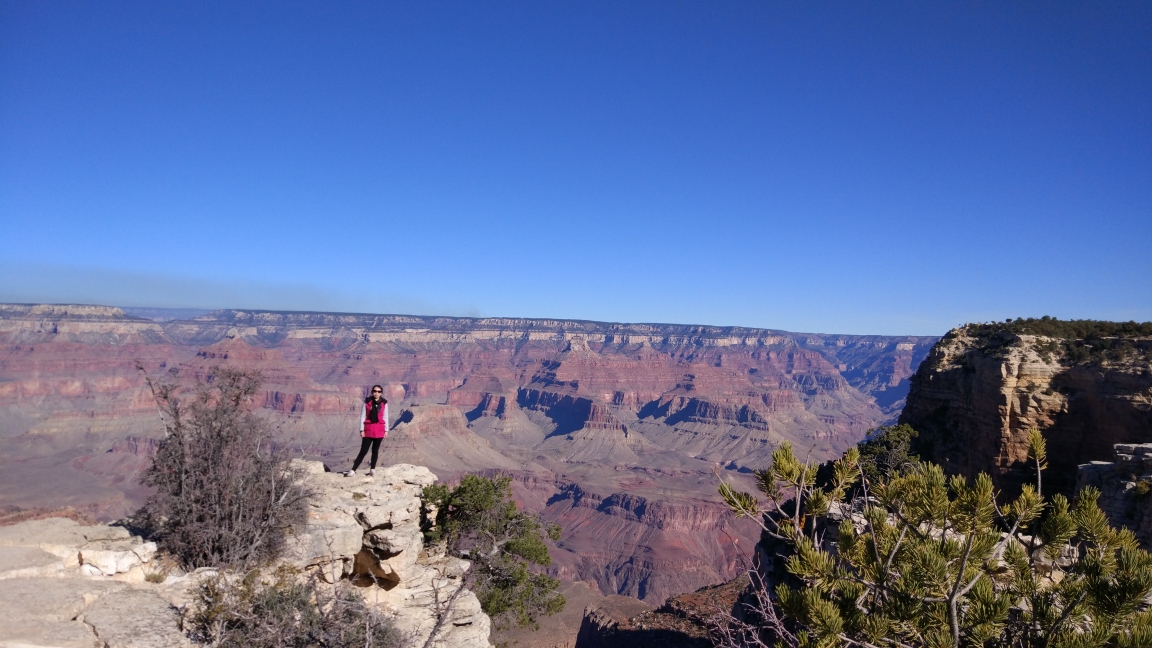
{"points": [[892, 169]]}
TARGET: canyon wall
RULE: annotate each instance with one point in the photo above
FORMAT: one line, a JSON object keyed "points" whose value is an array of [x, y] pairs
{"points": [[613, 430], [981, 389]]}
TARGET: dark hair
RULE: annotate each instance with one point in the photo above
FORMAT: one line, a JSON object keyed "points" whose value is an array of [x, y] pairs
{"points": [[368, 398]]}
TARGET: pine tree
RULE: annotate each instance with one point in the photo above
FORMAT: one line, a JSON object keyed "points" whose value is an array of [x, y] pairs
{"points": [[479, 521], [923, 560]]}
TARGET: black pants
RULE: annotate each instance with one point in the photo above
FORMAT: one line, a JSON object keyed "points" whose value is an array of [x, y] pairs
{"points": [[364, 443]]}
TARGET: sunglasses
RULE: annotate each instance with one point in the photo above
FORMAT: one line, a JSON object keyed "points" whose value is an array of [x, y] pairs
{"points": [[377, 391]]}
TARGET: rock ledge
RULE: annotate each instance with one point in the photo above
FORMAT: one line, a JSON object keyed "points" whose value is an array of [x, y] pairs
{"points": [[66, 585]]}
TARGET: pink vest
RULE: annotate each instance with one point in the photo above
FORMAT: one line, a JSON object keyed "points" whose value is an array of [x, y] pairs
{"points": [[376, 430]]}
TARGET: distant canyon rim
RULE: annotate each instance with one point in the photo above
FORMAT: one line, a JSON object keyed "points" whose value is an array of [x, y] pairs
{"points": [[617, 432]]}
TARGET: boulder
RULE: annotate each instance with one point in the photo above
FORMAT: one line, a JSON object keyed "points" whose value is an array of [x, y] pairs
{"points": [[1125, 486], [111, 557], [394, 542]]}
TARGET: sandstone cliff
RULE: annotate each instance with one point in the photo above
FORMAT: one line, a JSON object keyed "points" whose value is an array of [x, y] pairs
{"points": [[983, 387]]}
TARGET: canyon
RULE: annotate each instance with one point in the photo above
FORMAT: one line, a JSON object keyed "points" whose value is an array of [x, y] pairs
{"points": [[617, 432]]}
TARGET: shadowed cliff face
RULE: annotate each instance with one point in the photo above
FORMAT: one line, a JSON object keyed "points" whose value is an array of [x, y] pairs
{"points": [[636, 415], [975, 398]]}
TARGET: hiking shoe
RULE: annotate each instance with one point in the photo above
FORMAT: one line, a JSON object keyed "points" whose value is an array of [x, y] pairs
{"points": [[372, 472], [350, 473]]}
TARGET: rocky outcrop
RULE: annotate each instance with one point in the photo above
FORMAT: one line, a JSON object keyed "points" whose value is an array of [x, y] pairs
{"points": [[66, 584], [367, 529], [60, 546], [1125, 485], [83, 613], [70, 585], [977, 395]]}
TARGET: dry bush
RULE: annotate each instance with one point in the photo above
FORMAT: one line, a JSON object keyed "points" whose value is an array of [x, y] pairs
{"points": [[225, 497], [284, 611]]}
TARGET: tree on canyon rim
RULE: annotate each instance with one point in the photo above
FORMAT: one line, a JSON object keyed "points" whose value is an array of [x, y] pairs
{"points": [[887, 451], [919, 559], [479, 521], [224, 495]]}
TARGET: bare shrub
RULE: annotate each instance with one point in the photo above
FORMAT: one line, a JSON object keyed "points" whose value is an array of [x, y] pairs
{"points": [[225, 497], [281, 610]]}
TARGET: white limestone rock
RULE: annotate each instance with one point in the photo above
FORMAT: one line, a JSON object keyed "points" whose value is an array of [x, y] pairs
{"points": [[44, 611], [135, 618], [394, 541], [388, 558], [59, 546], [366, 529], [23, 562], [389, 513]]}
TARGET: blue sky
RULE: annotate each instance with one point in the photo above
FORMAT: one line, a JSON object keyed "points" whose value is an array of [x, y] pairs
{"points": [[867, 167]]}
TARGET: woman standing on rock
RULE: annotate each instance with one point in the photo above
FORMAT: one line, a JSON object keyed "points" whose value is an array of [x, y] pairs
{"points": [[373, 428]]}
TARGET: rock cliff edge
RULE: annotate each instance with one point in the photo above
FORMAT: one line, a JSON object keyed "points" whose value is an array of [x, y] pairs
{"points": [[69, 585]]}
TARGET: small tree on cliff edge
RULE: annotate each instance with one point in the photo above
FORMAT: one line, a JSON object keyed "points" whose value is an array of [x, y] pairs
{"points": [[921, 560], [887, 451], [479, 521], [223, 495]]}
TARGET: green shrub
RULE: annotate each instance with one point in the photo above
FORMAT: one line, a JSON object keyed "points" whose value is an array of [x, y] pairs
{"points": [[1063, 329], [283, 610], [478, 521], [1077, 341], [1046, 349]]}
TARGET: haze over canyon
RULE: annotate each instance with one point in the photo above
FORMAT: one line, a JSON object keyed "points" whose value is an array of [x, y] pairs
{"points": [[614, 431]]}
